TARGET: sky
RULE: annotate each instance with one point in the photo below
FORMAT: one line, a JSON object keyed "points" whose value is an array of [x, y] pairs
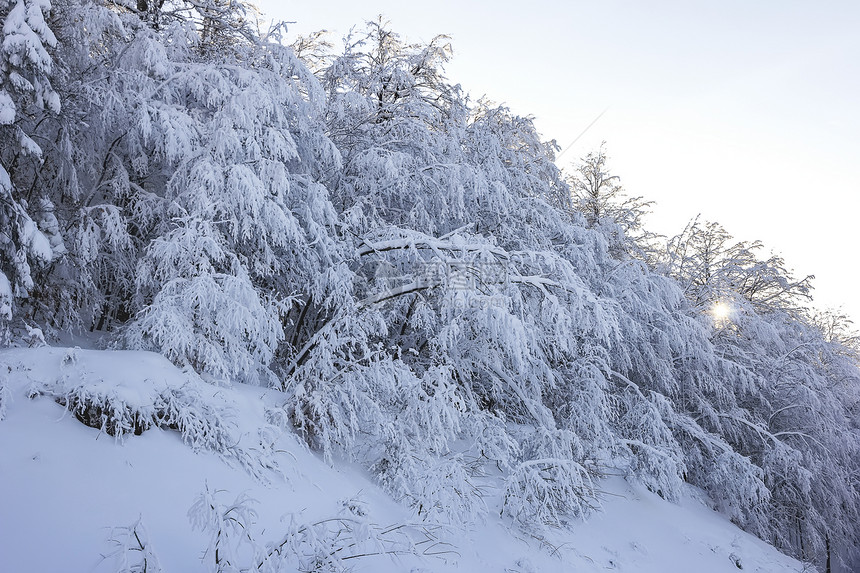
{"points": [[744, 113]]}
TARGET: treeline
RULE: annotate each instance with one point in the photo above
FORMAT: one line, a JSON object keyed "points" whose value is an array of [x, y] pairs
{"points": [[432, 294]]}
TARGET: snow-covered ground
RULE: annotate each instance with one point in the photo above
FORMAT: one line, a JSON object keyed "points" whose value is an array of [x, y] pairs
{"points": [[70, 494]]}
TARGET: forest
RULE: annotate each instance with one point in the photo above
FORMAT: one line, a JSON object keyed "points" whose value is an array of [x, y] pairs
{"points": [[434, 296]]}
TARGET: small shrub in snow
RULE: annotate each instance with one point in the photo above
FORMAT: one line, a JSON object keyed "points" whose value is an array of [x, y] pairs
{"points": [[126, 393], [552, 483], [101, 412], [230, 539], [327, 545], [5, 398], [548, 491], [134, 552], [110, 395], [118, 411], [440, 489], [330, 545]]}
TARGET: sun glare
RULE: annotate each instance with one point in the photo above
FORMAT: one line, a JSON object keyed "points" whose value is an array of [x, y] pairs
{"points": [[721, 311]]}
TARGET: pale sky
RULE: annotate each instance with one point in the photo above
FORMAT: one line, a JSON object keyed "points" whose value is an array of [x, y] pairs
{"points": [[747, 113]]}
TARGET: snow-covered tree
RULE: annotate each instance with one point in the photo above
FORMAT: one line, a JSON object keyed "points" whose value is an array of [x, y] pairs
{"points": [[783, 406], [193, 209], [476, 291], [710, 264], [411, 269], [29, 234]]}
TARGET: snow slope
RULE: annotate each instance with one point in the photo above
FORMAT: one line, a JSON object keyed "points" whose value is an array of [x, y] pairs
{"points": [[68, 494]]}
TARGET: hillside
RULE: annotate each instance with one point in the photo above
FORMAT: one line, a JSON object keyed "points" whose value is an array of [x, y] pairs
{"points": [[308, 252], [70, 493]]}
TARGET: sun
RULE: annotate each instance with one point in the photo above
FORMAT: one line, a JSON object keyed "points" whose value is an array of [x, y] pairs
{"points": [[721, 311]]}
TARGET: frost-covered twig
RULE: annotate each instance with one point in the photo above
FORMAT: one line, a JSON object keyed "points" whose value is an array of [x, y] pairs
{"points": [[134, 552], [321, 545]]}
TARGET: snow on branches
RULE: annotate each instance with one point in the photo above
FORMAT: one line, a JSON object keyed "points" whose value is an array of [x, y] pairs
{"points": [[410, 271]]}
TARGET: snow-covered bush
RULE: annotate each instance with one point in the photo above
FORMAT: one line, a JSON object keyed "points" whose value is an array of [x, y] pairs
{"points": [[107, 393], [548, 491], [554, 481], [231, 542], [133, 552], [327, 545], [5, 398], [124, 393], [120, 409]]}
